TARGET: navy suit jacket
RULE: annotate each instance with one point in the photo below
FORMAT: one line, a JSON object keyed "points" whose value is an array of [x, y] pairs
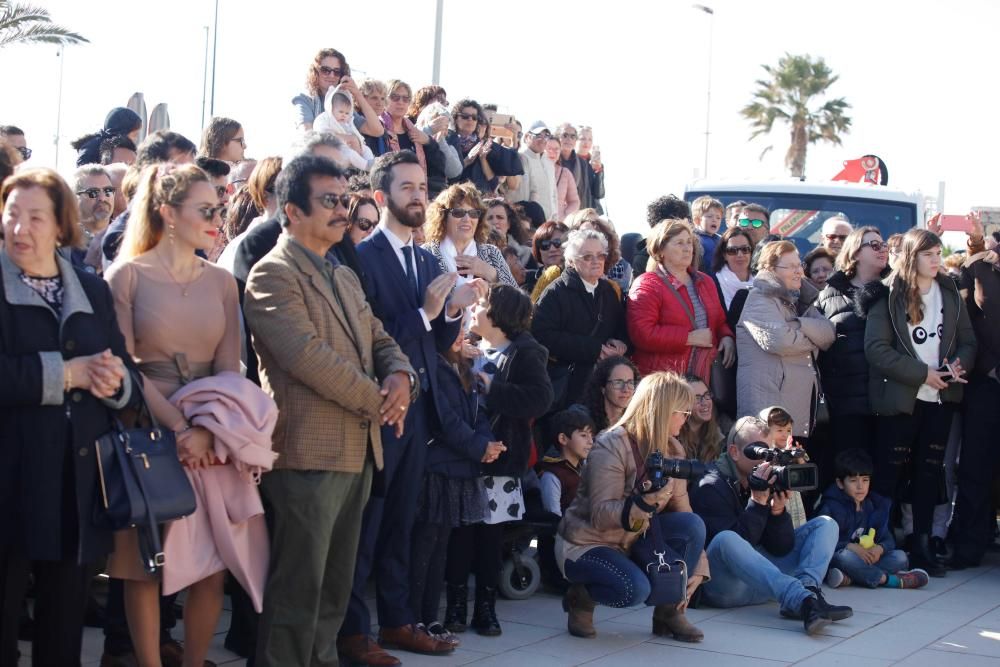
{"points": [[394, 303]]}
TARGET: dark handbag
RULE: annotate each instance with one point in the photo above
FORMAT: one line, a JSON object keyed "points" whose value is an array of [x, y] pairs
{"points": [[664, 567], [723, 386], [143, 483]]}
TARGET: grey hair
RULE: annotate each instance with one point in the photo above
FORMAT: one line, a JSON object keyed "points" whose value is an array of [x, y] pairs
{"points": [[837, 219], [736, 433], [85, 172], [305, 144], [431, 112], [575, 240]]}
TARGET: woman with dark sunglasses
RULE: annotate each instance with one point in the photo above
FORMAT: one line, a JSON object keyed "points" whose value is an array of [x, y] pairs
{"points": [[547, 250], [862, 259], [731, 263], [364, 215]]}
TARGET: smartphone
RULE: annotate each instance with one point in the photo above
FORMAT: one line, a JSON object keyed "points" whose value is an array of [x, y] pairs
{"points": [[955, 223], [596, 153], [499, 118], [949, 372]]}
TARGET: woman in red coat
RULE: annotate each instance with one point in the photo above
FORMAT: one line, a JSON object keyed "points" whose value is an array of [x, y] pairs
{"points": [[675, 319]]}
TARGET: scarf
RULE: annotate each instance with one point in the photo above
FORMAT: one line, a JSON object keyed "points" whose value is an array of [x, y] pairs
{"points": [[393, 140], [448, 254], [466, 144], [731, 284]]}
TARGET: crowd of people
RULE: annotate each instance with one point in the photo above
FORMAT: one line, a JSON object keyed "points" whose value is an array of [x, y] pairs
{"points": [[415, 329]]}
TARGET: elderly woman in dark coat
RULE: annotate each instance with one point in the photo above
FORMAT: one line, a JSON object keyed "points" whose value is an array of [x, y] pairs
{"points": [[65, 370], [580, 316]]}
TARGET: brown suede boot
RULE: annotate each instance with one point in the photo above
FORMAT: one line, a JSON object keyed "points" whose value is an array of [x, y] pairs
{"points": [[669, 621], [580, 607]]}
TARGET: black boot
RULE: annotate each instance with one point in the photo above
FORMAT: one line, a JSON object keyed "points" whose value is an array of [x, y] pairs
{"points": [[813, 619], [834, 612], [484, 614], [922, 556], [456, 614]]}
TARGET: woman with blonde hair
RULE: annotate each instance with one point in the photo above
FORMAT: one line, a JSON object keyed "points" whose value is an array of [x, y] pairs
{"points": [[179, 315], [456, 232], [615, 505]]}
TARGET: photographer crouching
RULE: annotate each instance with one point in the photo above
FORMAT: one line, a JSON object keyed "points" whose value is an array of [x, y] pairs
{"points": [[754, 552], [629, 537]]}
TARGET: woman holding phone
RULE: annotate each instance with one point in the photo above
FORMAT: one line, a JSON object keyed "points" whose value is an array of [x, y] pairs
{"points": [[919, 342]]}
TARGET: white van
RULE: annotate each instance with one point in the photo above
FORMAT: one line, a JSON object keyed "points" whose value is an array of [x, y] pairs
{"points": [[799, 208]]}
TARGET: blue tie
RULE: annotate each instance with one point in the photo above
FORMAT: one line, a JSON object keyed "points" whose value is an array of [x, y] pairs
{"points": [[408, 257]]}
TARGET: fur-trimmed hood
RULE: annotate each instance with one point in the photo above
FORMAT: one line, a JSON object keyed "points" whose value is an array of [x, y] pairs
{"points": [[770, 286], [867, 295]]}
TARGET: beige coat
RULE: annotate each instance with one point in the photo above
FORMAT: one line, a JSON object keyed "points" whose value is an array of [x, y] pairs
{"points": [[776, 343], [594, 519], [322, 355]]}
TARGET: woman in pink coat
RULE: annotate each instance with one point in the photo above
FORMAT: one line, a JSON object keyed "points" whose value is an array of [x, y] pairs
{"points": [[566, 194]]}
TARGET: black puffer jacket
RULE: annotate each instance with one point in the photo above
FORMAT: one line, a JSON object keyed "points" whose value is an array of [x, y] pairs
{"points": [[843, 367]]}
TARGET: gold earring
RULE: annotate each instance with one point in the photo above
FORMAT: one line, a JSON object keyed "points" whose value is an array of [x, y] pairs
{"points": [[170, 233]]}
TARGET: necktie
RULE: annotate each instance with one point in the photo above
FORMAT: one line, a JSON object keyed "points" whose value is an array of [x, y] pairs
{"points": [[410, 276]]}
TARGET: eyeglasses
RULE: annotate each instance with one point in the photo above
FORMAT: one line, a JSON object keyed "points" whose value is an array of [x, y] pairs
{"points": [[794, 268], [465, 213], [831, 237], [399, 98], [468, 116], [241, 140], [877, 246], [330, 201], [600, 257], [221, 190], [25, 152], [545, 244], [568, 135], [704, 398], [541, 135], [686, 413], [747, 222], [327, 71], [364, 224], [732, 251], [94, 193], [622, 385], [209, 212]]}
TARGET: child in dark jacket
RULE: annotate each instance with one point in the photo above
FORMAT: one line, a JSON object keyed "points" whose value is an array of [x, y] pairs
{"points": [[559, 471], [866, 551], [453, 494]]}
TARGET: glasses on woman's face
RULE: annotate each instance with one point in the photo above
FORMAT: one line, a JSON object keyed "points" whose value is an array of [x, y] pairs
{"points": [[331, 71], [734, 250], [468, 116], [877, 246], [242, 141], [460, 213], [747, 222], [208, 213], [546, 244], [395, 97], [590, 258], [622, 385], [704, 398], [365, 224], [568, 135], [794, 268]]}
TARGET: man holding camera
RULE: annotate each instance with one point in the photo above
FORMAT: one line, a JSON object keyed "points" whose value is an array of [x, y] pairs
{"points": [[754, 553]]}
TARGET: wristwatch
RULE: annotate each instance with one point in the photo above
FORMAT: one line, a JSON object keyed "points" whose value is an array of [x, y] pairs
{"points": [[413, 379]]}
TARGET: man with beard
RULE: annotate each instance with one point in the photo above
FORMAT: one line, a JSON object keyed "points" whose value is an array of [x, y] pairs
{"points": [[95, 194], [409, 294]]}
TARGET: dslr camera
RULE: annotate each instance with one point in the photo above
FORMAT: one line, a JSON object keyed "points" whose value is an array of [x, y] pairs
{"points": [[659, 470], [787, 475]]}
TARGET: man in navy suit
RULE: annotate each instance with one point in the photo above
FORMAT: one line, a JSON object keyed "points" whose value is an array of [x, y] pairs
{"points": [[408, 292]]}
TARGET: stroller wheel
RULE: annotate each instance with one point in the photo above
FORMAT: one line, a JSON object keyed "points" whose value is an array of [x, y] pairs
{"points": [[520, 577]]}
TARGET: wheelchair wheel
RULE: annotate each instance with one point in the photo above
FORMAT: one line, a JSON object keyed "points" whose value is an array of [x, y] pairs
{"points": [[520, 576]]}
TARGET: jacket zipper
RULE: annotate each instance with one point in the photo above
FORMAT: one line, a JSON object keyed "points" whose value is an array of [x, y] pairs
{"points": [[958, 317]]}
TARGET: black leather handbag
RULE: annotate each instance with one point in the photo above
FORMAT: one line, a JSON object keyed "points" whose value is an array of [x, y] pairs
{"points": [[143, 484]]}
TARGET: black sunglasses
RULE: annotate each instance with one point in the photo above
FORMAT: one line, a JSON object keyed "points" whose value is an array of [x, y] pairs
{"points": [[545, 244], [465, 212], [330, 201], [732, 251], [94, 193], [209, 212], [336, 71], [365, 224]]}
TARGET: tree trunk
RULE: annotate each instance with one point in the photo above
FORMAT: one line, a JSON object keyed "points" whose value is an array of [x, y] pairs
{"points": [[795, 158]]}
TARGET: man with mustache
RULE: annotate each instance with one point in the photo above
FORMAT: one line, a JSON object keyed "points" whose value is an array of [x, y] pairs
{"points": [[95, 194], [410, 295]]}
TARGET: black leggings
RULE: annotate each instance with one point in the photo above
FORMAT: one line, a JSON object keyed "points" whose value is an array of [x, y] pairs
{"points": [[919, 439], [476, 549], [427, 562]]}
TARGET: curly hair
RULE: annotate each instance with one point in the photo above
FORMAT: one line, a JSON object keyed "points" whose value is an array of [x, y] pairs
{"points": [[593, 391], [312, 77], [590, 216], [422, 98], [220, 131], [518, 228], [667, 208], [436, 225]]}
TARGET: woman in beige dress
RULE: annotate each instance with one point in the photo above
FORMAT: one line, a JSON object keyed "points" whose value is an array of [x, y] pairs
{"points": [[180, 318]]}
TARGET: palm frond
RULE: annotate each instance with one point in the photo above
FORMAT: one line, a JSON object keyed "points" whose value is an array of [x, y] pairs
{"points": [[27, 24]]}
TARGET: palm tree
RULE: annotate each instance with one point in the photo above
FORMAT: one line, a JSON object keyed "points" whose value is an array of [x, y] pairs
{"points": [[794, 83], [24, 24]]}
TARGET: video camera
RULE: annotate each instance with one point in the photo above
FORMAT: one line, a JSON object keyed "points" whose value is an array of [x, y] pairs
{"points": [[787, 475], [659, 470]]}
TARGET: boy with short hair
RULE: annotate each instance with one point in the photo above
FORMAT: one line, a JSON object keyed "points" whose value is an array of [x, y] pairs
{"points": [[559, 475], [866, 551]]}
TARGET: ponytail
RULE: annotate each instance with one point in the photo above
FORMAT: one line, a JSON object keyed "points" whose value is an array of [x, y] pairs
{"points": [[159, 185]]}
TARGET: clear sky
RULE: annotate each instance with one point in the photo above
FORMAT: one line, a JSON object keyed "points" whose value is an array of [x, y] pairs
{"points": [[921, 77]]}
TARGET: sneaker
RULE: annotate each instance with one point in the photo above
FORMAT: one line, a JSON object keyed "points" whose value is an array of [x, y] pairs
{"points": [[915, 578], [835, 578]]}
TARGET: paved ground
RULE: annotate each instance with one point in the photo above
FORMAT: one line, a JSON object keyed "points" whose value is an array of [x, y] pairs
{"points": [[954, 621]]}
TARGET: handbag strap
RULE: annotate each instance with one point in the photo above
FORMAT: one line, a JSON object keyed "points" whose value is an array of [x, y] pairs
{"points": [[155, 559], [684, 304]]}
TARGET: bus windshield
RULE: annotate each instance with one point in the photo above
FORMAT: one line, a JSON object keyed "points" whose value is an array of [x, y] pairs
{"points": [[800, 217]]}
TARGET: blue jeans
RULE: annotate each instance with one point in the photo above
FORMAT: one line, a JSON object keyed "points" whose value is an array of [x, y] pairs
{"points": [[613, 580], [743, 575], [861, 573]]}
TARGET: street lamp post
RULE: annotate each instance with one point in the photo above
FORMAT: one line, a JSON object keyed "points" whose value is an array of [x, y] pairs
{"points": [[708, 93], [215, 43], [61, 53], [438, 21]]}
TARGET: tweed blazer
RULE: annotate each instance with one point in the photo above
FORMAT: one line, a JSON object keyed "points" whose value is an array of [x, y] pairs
{"points": [[322, 355]]}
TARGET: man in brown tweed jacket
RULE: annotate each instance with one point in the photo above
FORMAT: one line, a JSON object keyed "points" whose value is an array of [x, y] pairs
{"points": [[337, 377]]}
